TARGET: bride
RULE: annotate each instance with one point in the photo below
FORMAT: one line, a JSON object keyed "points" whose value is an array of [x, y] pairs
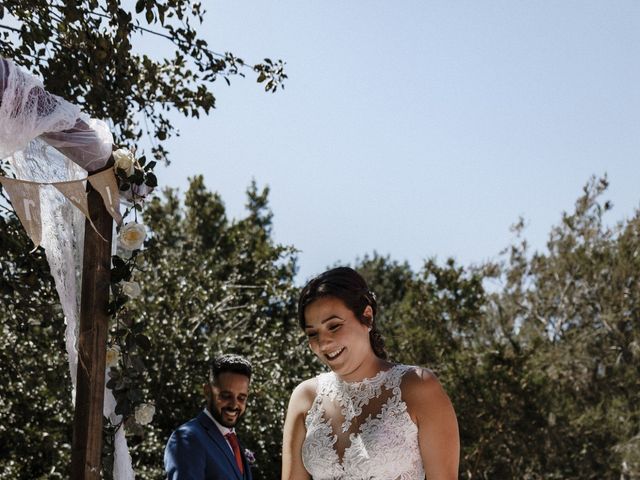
{"points": [[367, 418]]}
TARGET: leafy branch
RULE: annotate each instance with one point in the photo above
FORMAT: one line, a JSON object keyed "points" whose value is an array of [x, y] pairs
{"points": [[83, 51]]}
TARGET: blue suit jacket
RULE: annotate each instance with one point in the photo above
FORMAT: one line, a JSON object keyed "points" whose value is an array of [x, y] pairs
{"points": [[198, 451]]}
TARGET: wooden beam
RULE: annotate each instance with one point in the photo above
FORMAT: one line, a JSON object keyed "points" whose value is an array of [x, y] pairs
{"points": [[94, 325]]}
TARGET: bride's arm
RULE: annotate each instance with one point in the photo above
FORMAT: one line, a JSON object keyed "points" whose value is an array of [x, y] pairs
{"points": [[438, 436], [294, 431]]}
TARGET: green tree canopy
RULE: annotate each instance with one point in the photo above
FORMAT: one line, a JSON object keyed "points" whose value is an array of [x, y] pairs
{"points": [[217, 286], [85, 52], [544, 368], [538, 352], [210, 285]]}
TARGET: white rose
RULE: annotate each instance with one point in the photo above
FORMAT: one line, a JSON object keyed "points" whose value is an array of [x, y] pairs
{"points": [[130, 289], [132, 236], [124, 160], [113, 356], [144, 413]]}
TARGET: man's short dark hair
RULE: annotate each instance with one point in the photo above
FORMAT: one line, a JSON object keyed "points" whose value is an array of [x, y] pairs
{"points": [[229, 362]]}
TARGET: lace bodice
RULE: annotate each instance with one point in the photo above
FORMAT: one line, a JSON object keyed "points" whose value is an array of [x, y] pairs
{"points": [[361, 430]]}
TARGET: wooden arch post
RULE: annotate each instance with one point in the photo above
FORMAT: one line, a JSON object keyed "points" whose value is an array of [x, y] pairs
{"points": [[94, 325], [86, 450]]}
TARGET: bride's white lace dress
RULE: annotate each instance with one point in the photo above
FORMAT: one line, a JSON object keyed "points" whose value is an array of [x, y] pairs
{"points": [[361, 430]]}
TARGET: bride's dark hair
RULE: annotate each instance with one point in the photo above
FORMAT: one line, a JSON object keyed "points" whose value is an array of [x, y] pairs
{"points": [[347, 285]]}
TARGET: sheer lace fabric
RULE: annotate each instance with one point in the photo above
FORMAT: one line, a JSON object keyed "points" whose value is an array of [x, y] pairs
{"points": [[62, 232], [28, 111], [361, 430]]}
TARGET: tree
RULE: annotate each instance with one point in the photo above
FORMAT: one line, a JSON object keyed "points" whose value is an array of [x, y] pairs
{"points": [[575, 308], [84, 52], [35, 434], [218, 286], [210, 285], [543, 371]]}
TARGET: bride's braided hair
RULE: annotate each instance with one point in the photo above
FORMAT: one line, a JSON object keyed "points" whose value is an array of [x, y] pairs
{"points": [[347, 285]]}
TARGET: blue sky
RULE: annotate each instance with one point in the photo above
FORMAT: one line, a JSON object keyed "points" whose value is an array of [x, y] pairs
{"points": [[419, 128]]}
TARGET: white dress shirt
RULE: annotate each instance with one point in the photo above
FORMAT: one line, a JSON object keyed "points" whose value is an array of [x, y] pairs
{"points": [[223, 430]]}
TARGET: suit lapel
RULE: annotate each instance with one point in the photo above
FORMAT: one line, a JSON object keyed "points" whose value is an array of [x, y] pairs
{"points": [[245, 462], [220, 442]]}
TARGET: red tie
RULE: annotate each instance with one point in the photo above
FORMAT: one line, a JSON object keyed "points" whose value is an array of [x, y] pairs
{"points": [[233, 441]]}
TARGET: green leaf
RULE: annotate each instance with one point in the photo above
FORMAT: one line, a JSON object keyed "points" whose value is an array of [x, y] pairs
{"points": [[143, 342], [130, 342], [118, 262], [137, 364], [161, 12], [120, 272], [123, 407], [138, 327], [135, 395], [151, 180]]}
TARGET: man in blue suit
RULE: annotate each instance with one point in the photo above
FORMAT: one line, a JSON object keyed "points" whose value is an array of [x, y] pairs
{"points": [[206, 448]]}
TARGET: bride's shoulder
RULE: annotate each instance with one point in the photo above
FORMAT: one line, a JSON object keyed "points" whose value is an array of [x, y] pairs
{"points": [[422, 391], [303, 395], [420, 385], [307, 387], [415, 376]]}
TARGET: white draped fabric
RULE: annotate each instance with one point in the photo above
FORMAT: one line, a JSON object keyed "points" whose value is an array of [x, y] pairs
{"points": [[29, 111], [48, 139]]}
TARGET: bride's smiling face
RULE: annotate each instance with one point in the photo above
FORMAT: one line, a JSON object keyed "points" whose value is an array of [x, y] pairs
{"points": [[336, 336]]}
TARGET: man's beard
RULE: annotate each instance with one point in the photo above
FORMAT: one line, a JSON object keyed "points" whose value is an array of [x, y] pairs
{"points": [[218, 415]]}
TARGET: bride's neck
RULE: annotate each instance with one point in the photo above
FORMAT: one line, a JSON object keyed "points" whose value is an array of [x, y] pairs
{"points": [[369, 368]]}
